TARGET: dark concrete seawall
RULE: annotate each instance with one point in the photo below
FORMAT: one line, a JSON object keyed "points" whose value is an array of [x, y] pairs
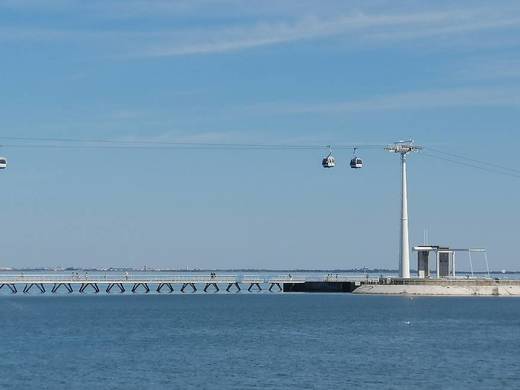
{"points": [[321, 287], [397, 286]]}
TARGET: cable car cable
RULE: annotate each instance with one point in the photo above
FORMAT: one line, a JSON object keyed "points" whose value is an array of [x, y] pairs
{"points": [[78, 143], [487, 163], [483, 168], [482, 165], [184, 144]]}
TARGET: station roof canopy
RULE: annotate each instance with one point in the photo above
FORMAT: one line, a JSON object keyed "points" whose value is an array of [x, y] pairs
{"points": [[430, 248], [437, 248]]}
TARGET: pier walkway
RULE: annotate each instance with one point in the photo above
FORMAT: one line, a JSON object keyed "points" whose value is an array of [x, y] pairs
{"points": [[96, 283]]}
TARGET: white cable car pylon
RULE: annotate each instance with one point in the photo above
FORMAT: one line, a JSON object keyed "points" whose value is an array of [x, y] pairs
{"points": [[329, 161], [403, 148]]}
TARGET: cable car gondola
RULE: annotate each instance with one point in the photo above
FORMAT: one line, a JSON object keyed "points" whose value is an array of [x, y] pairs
{"points": [[3, 163], [329, 161], [356, 163]]}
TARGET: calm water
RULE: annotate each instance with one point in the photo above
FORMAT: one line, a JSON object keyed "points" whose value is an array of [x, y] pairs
{"points": [[246, 341]]}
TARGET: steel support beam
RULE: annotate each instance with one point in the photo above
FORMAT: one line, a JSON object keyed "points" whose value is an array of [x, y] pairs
{"points": [[237, 286], [85, 285], [211, 284], [11, 287], [57, 286], [118, 285], [161, 285], [144, 285], [28, 287], [257, 286]]}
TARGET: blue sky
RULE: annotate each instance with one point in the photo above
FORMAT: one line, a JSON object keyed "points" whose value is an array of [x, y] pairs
{"points": [[301, 72]]}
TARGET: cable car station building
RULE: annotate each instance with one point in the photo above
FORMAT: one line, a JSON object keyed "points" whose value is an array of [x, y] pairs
{"points": [[445, 261]]}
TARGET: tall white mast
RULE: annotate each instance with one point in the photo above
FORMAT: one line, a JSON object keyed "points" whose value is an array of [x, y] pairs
{"points": [[403, 148]]}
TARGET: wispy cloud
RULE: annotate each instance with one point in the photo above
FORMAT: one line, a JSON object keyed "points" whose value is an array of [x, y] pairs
{"points": [[417, 100], [486, 69], [353, 27]]}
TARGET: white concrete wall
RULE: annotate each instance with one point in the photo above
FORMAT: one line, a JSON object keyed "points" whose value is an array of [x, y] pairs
{"points": [[433, 290]]}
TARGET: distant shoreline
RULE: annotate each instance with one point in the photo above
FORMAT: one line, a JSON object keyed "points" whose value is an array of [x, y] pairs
{"points": [[287, 270]]}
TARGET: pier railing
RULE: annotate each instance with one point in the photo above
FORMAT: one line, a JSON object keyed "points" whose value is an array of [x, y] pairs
{"points": [[347, 278], [142, 282], [152, 278]]}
